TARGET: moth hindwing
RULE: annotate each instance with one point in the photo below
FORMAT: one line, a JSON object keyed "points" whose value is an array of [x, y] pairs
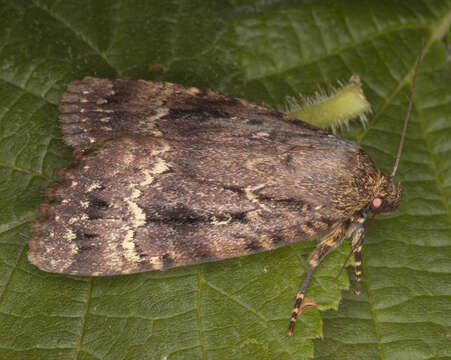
{"points": [[165, 175]]}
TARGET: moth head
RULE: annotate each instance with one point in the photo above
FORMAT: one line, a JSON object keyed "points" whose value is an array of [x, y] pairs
{"points": [[388, 199]]}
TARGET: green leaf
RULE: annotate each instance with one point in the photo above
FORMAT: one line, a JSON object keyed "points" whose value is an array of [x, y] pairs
{"points": [[237, 309]]}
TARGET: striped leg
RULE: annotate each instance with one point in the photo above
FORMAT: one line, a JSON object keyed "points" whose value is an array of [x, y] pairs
{"points": [[330, 242], [358, 269], [299, 299], [357, 246]]}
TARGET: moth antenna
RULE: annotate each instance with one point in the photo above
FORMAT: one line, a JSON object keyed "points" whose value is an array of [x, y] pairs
{"points": [[344, 265], [409, 109]]}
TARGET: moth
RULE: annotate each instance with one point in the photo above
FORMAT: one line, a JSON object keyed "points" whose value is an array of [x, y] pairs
{"points": [[165, 175]]}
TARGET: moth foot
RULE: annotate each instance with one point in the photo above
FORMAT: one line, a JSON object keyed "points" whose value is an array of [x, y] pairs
{"points": [[306, 304]]}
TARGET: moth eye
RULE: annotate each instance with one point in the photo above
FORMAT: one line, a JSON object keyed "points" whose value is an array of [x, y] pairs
{"points": [[376, 203]]}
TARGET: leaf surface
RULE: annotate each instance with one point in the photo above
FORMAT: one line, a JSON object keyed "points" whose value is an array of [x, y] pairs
{"points": [[236, 309]]}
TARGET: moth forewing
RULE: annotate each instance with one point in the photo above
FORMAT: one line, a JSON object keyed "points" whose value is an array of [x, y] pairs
{"points": [[166, 175]]}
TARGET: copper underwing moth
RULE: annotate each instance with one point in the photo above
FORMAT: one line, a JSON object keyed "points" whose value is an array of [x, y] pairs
{"points": [[165, 175]]}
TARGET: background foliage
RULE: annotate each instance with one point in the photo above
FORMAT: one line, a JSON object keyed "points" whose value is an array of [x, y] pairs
{"points": [[262, 51]]}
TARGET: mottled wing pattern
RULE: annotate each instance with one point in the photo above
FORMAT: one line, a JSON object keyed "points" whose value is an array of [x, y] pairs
{"points": [[165, 175]]}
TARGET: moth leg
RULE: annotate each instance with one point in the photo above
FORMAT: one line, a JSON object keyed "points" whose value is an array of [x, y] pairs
{"points": [[329, 243], [357, 246], [358, 269], [299, 299]]}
